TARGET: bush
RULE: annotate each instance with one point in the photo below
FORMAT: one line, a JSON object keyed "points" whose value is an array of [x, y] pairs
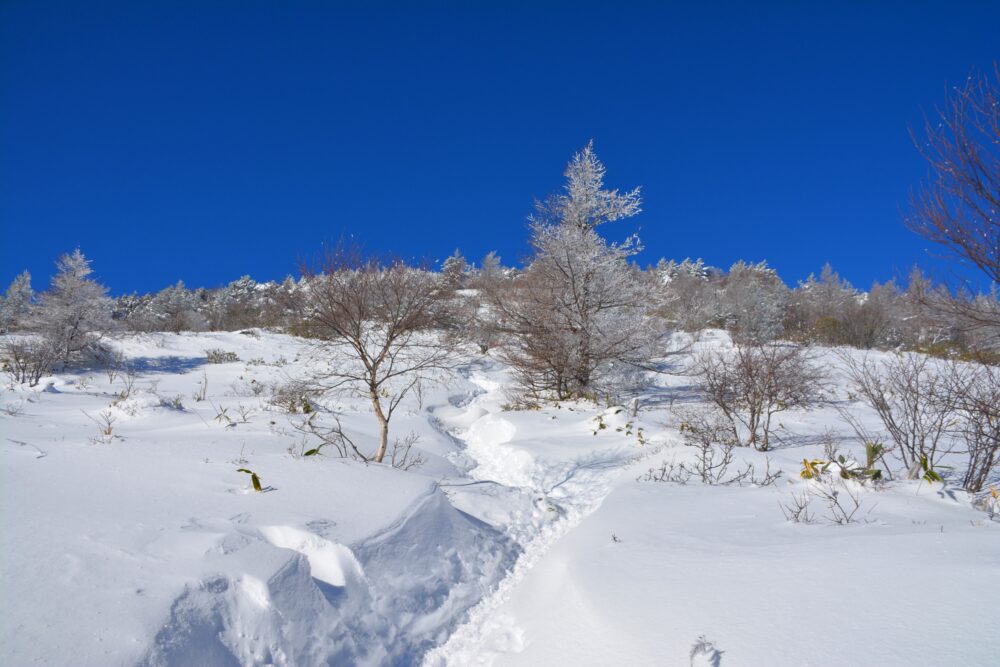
{"points": [[752, 383], [217, 356], [976, 391], [914, 397], [27, 360], [294, 397]]}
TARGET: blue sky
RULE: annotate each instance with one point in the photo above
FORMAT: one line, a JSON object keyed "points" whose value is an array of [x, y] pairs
{"points": [[205, 140]]}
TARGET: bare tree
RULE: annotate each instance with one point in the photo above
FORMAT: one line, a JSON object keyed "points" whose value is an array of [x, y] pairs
{"points": [[975, 389], [28, 358], [959, 206], [373, 320], [910, 394], [749, 384]]}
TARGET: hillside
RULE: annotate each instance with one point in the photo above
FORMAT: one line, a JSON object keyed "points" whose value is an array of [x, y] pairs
{"points": [[535, 536]]}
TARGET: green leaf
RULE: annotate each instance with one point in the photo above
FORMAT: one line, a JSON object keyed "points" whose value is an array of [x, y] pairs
{"points": [[312, 452]]}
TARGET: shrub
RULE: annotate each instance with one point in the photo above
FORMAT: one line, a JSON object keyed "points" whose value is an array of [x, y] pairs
{"points": [[914, 397], [751, 383], [218, 356], [28, 360]]}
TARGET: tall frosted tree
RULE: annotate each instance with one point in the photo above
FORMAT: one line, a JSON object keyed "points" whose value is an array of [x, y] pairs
{"points": [[75, 312], [584, 203], [577, 315]]}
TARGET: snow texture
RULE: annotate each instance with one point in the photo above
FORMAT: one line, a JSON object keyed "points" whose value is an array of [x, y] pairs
{"points": [[528, 538]]}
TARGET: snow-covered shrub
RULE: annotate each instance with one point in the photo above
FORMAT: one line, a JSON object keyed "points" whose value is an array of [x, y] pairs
{"points": [[404, 456], [172, 402], [796, 510], [842, 498], [844, 467], [668, 471], [218, 356], [293, 397]]}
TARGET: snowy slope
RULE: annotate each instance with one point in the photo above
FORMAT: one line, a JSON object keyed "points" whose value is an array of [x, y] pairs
{"points": [[646, 569], [528, 537], [152, 548]]}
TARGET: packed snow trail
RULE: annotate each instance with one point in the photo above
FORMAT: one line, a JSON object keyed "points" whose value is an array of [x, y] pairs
{"points": [[559, 465]]}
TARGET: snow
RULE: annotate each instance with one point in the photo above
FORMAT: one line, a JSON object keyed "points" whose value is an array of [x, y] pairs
{"points": [[529, 537]]}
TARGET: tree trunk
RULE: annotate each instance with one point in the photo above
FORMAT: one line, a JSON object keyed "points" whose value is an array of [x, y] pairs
{"points": [[383, 425]]}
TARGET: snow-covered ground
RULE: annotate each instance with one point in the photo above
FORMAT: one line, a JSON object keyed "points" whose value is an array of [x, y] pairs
{"points": [[528, 537]]}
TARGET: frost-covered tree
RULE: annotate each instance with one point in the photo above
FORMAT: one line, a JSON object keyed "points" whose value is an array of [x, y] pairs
{"points": [[491, 271], [753, 302], [577, 315], [872, 320], [669, 271], [16, 303], [236, 305], [454, 269], [921, 320], [129, 311], [75, 312], [273, 303], [585, 203], [472, 317], [819, 307], [173, 309], [687, 293]]}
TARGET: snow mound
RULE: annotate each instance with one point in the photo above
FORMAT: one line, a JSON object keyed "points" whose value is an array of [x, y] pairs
{"points": [[296, 598], [251, 617], [485, 441], [330, 562]]}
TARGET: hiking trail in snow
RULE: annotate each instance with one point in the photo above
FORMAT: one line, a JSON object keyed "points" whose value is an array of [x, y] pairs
{"points": [[557, 482]]}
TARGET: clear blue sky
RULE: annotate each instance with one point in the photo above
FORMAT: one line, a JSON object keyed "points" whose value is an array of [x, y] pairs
{"points": [[206, 140]]}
